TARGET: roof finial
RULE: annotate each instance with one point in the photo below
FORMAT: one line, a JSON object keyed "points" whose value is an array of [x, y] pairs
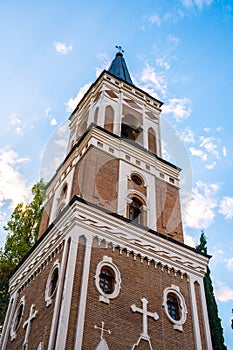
{"points": [[120, 50]]}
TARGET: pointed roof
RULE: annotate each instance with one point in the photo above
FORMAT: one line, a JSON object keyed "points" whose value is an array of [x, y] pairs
{"points": [[119, 68]]}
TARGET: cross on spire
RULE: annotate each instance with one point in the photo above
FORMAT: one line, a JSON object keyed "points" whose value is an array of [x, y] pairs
{"points": [[27, 324], [145, 314], [102, 330], [119, 48]]}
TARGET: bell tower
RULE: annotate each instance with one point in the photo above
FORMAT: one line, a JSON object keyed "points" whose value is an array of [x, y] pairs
{"points": [[116, 146], [110, 269]]}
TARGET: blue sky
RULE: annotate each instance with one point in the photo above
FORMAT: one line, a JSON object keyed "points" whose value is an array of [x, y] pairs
{"points": [[179, 51]]}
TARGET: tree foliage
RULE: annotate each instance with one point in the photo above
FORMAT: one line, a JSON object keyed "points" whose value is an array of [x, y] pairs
{"points": [[214, 321], [22, 228]]}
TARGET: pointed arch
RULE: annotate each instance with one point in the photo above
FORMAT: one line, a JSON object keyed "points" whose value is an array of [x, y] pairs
{"points": [[152, 140], [109, 118]]}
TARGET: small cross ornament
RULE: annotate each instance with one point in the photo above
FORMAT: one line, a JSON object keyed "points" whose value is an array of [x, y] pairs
{"points": [[102, 330]]}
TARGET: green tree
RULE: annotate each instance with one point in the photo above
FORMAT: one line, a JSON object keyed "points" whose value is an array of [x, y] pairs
{"points": [[22, 228], [214, 321]]}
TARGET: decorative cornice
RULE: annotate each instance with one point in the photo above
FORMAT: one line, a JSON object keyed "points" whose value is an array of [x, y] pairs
{"points": [[115, 232]]}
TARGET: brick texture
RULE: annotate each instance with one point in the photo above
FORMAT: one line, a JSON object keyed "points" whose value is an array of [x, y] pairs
{"points": [[168, 209]]}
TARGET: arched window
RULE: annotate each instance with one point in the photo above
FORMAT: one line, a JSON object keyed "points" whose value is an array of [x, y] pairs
{"points": [[63, 192], [152, 140], [107, 280], [135, 211], [17, 318], [109, 118], [173, 306], [96, 115]]}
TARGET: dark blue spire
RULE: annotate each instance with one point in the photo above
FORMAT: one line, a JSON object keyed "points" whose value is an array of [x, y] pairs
{"points": [[119, 68]]}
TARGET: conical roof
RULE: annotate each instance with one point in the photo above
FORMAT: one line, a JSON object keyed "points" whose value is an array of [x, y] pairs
{"points": [[119, 68]]}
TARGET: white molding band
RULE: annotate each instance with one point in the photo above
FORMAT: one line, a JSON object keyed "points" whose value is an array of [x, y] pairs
{"points": [[67, 293], [196, 326], [83, 293], [59, 295]]}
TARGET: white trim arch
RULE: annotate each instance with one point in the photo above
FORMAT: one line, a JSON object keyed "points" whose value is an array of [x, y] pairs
{"points": [[104, 297], [177, 324]]}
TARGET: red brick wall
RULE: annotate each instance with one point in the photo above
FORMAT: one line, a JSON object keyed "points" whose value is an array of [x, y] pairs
{"points": [[45, 217], [138, 280], [168, 210], [96, 179], [35, 294]]}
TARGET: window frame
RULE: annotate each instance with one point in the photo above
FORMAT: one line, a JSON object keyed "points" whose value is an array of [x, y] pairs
{"points": [[175, 290], [48, 295], [14, 328], [107, 262]]}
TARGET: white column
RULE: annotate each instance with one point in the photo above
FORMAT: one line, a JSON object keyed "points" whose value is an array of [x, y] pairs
{"points": [[83, 294], [67, 293], [196, 326], [205, 315], [57, 305], [8, 320]]}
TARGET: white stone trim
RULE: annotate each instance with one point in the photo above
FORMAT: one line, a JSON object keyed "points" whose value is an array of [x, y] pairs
{"points": [[13, 331], [48, 297], [67, 293], [196, 326], [8, 321], [57, 305], [205, 314], [178, 324], [83, 293], [104, 297]]}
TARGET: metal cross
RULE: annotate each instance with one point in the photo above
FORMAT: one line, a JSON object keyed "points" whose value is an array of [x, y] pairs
{"points": [[145, 314], [102, 330], [27, 324], [119, 48]]}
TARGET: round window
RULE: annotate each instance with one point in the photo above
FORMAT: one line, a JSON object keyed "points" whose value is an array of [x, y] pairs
{"points": [[136, 179]]}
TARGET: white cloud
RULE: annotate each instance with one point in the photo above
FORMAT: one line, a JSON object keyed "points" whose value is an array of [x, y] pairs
{"points": [[208, 143], [224, 151], [189, 240], [154, 82], [226, 207], [180, 108], [15, 188], [206, 129], [229, 264], [62, 48], [16, 124], [198, 153], [187, 135], [196, 3], [155, 19], [72, 103], [210, 166], [61, 143], [200, 212], [223, 293], [53, 122], [105, 64], [162, 62]]}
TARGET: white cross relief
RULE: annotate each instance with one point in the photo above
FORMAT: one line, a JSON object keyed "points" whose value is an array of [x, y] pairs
{"points": [[102, 330], [145, 314], [27, 324]]}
